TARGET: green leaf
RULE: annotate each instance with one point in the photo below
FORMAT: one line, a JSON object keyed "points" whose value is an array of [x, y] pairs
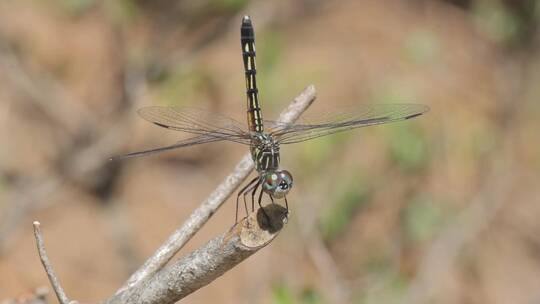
{"points": [[310, 296], [282, 294]]}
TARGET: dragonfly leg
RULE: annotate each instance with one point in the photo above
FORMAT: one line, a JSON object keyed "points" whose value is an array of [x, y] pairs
{"points": [[253, 195], [286, 204], [272, 199], [248, 190], [262, 209], [243, 191]]}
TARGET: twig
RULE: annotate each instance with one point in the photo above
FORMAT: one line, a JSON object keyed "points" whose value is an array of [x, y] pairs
{"points": [[199, 217], [209, 262], [60, 294]]}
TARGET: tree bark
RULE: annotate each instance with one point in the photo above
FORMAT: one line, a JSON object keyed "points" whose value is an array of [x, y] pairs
{"points": [[210, 261]]}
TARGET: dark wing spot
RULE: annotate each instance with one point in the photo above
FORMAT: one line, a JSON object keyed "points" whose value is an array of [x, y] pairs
{"points": [[413, 115], [161, 125]]}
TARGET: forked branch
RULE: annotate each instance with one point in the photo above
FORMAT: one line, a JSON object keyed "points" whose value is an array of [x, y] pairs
{"points": [[155, 283], [201, 215]]}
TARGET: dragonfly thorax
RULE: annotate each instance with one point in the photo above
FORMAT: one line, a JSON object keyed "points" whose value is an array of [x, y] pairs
{"points": [[265, 152]]}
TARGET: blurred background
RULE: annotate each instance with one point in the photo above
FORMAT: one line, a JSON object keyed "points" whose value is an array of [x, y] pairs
{"points": [[439, 209]]}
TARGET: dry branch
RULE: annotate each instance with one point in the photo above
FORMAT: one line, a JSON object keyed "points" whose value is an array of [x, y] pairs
{"points": [[60, 294], [199, 217], [207, 263], [153, 283]]}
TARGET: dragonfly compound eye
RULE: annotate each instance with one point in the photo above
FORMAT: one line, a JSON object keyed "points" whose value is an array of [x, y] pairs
{"points": [[278, 183], [285, 178], [271, 182]]}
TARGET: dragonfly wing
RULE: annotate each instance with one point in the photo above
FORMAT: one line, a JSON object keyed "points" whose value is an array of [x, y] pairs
{"points": [[347, 119], [197, 140], [197, 121]]}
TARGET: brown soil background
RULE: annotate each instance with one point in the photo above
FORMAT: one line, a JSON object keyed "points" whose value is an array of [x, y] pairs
{"points": [[440, 209]]}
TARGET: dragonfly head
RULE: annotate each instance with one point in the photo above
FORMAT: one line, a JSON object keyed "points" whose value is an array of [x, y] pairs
{"points": [[277, 183]]}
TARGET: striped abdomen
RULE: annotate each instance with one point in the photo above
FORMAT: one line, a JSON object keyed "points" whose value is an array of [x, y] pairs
{"points": [[247, 39]]}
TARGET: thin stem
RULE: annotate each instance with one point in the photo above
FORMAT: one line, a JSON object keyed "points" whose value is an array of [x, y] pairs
{"points": [[60, 294]]}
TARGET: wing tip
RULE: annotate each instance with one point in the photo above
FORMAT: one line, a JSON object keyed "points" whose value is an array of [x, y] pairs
{"points": [[424, 110], [414, 115], [161, 125]]}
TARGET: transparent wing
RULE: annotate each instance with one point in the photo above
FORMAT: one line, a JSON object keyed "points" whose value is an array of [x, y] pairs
{"points": [[208, 127], [198, 122], [346, 119], [201, 139]]}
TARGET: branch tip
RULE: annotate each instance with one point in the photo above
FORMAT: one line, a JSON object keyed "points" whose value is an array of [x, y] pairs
{"points": [[59, 291]]}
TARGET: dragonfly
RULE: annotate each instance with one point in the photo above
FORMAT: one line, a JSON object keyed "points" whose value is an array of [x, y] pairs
{"points": [[264, 137]]}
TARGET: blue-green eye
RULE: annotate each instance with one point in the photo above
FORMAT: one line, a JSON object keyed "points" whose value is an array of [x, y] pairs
{"points": [[278, 183], [286, 177], [271, 181]]}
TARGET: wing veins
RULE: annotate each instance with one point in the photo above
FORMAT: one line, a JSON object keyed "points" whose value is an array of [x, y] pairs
{"points": [[362, 117], [185, 120], [197, 140]]}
